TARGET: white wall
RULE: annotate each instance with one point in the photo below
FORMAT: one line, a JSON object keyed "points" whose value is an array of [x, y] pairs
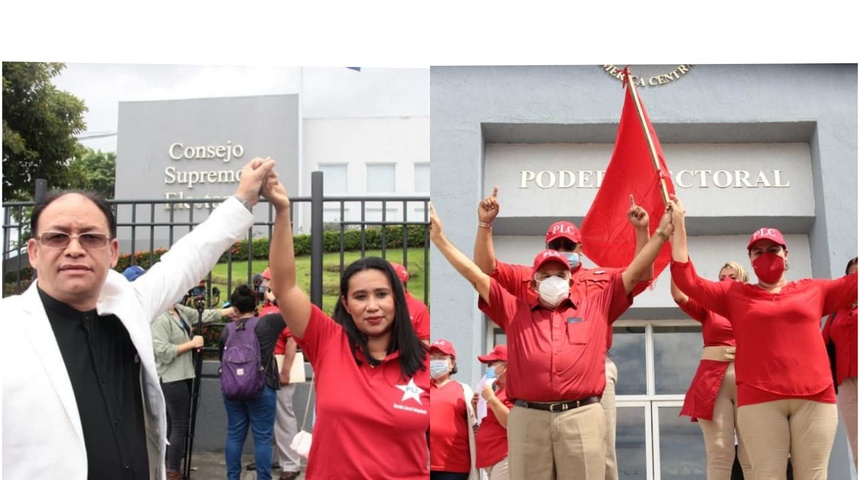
{"points": [[357, 142]]}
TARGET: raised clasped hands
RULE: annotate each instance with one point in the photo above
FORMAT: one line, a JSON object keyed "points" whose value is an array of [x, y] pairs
{"points": [[275, 192], [253, 178]]}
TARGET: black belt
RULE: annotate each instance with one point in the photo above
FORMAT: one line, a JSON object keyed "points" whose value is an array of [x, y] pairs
{"points": [[557, 406]]}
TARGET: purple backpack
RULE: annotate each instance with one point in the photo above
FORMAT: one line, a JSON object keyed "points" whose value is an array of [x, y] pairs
{"points": [[242, 374]]}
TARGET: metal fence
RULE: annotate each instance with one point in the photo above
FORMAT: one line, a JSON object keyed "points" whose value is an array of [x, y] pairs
{"points": [[146, 228]]}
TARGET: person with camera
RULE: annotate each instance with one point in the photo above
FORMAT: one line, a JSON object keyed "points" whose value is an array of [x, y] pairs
{"points": [[172, 340]]}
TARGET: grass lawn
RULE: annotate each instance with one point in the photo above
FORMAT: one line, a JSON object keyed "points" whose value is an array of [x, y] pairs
{"points": [[332, 267]]}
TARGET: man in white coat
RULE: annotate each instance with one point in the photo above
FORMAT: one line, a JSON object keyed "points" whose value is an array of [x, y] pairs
{"points": [[81, 396]]}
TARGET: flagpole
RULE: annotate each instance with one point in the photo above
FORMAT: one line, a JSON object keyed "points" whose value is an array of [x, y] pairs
{"points": [[629, 80]]}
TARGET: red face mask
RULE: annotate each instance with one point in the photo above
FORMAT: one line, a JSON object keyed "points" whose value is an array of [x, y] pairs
{"points": [[769, 267]]}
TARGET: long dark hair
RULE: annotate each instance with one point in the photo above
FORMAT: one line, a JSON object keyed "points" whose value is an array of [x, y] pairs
{"points": [[412, 351]]}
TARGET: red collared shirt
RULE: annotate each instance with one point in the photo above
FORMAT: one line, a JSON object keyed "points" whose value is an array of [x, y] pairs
{"points": [[558, 354], [780, 352], [517, 279], [374, 419], [842, 331], [420, 316]]}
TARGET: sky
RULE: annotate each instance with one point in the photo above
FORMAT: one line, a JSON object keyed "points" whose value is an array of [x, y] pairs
{"points": [[327, 92]]}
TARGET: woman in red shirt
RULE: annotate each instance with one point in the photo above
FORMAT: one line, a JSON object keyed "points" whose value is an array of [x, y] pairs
{"points": [[713, 397], [841, 330], [452, 440], [491, 441], [786, 401], [370, 369]]}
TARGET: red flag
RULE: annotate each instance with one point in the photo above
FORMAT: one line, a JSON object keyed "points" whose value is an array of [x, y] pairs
{"points": [[608, 239]]}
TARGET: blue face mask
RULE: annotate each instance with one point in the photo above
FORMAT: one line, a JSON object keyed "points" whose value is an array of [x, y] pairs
{"points": [[491, 372], [573, 260], [438, 368]]}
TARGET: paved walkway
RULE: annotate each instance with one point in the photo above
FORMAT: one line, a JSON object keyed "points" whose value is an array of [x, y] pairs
{"points": [[211, 466]]}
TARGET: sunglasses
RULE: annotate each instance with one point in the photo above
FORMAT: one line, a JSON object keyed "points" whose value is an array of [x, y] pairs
{"points": [[62, 240], [561, 244]]}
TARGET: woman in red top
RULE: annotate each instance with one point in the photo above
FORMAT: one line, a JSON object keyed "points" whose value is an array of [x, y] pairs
{"points": [[841, 330], [785, 390], [491, 441], [713, 397], [452, 440], [370, 369]]}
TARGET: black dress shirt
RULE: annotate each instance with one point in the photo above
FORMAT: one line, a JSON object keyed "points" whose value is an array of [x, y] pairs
{"points": [[104, 370]]}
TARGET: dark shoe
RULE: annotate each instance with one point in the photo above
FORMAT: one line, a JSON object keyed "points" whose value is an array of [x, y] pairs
{"points": [[289, 475]]}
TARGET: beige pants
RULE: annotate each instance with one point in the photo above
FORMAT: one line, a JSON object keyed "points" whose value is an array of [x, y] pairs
{"points": [[499, 471], [567, 445], [719, 432], [846, 400], [803, 428], [607, 401]]}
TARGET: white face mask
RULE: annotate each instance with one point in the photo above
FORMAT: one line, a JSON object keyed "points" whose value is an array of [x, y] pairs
{"points": [[553, 290], [438, 368]]}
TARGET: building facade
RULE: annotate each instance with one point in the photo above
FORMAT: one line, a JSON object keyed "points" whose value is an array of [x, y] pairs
{"points": [[194, 149], [747, 145]]}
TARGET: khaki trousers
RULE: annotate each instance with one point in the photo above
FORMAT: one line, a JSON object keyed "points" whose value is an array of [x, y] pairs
{"points": [[846, 400], [773, 430], [499, 471], [719, 433], [567, 445], [607, 401]]}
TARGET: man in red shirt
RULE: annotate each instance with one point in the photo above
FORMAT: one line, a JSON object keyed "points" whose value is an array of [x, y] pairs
{"points": [[564, 238], [418, 311], [556, 355]]}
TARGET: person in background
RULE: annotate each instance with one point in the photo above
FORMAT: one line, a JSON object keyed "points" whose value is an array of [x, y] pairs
{"points": [[840, 330], [786, 399], [712, 399], [270, 303], [172, 341], [452, 438], [418, 311], [85, 386], [257, 413], [371, 371], [557, 350], [564, 237], [491, 440]]}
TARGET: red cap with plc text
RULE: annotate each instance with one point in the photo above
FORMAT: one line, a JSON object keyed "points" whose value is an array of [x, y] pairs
{"points": [[444, 347], [549, 256], [563, 230], [766, 234], [401, 271], [499, 353]]}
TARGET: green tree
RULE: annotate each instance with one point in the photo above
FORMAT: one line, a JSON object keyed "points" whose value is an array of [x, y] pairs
{"points": [[95, 171], [39, 128]]}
